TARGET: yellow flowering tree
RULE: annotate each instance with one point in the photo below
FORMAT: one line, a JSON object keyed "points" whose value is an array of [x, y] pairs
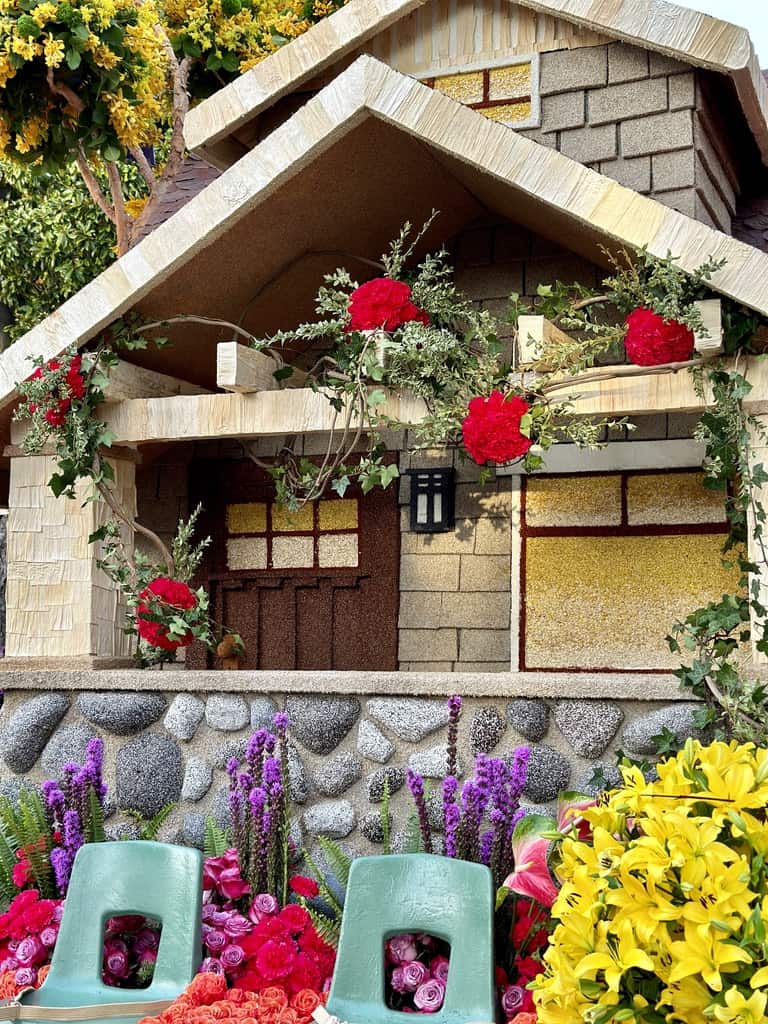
{"points": [[663, 912], [99, 81]]}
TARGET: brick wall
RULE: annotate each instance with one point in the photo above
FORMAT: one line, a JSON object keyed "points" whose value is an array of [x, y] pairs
{"points": [[645, 120]]}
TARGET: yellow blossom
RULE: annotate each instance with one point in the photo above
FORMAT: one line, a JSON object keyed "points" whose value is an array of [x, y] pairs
{"points": [[54, 51], [739, 1010], [44, 13]]}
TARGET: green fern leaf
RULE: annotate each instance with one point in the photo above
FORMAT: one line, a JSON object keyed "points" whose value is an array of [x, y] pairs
{"points": [[150, 829], [95, 830], [326, 927], [325, 892], [215, 840], [337, 860], [386, 838]]}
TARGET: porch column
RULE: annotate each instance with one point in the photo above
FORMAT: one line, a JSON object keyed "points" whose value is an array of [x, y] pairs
{"points": [[754, 548], [59, 604]]}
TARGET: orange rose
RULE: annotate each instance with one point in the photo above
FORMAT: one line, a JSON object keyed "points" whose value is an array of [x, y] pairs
{"points": [[305, 1002], [236, 995], [274, 996], [288, 1016], [42, 974], [523, 1018]]}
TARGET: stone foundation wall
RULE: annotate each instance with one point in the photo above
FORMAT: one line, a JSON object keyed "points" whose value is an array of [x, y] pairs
{"points": [[173, 746]]}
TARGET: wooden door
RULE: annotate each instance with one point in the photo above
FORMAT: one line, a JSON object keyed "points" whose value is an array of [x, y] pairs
{"points": [[315, 589]]}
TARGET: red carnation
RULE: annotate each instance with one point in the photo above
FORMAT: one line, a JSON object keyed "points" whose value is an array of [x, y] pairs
{"points": [[383, 304], [651, 340], [295, 918], [303, 886], [492, 428], [75, 380], [165, 593], [305, 974], [21, 873], [276, 959]]}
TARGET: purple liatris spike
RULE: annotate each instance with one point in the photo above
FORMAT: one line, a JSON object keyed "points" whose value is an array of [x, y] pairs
{"points": [[272, 773], [233, 767], [73, 835], [486, 844], [255, 748], [416, 787], [62, 865], [281, 722]]}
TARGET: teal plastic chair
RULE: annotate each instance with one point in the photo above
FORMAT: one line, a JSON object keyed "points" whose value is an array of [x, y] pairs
{"points": [[419, 892], [155, 879]]}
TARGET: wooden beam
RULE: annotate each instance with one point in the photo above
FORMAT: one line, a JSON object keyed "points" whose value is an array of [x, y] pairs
{"points": [[243, 369], [303, 411], [534, 333], [710, 343], [129, 381]]}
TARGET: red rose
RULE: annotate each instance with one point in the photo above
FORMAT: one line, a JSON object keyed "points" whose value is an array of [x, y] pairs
{"points": [[492, 428], [74, 379], [650, 339], [303, 886], [528, 968], [382, 303], [165, 593]]}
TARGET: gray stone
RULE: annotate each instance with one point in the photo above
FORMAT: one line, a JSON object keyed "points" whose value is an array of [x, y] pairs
{"points": [[295, 841], [564, 70], [435, 811], [149, 774], [588, 725], [332, 818], [410, 718], [684, 200], [432, 763], [227, 712], [657, 134], [610, 773], [219, 810], [184, 715], [637, 737], [626, 63], [619, 102], [372, 827], [634, 174], [122, 714], [372, 743], [395, 777], [548, 773], [321, 723], [29, 729], [193, 830], [231, 748], [674, 170], [529, 717], [263, 710], [486, 730], [564, 110], [124, 830], [332, 777], [198, 777], [67, 744], [12, 787], [660, 64], [682, 91], [541, 809], [587, 145], [297, 777]]}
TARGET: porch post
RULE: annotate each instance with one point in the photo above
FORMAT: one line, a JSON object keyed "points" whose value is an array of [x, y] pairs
{"points": [[754, 548], [59, 603]]}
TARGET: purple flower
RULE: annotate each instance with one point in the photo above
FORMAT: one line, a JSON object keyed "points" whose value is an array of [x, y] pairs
{"points": [[414, 974], [397, 981], [209, 909], [9, 964], [429, 996], [438, 968], [146, 939], [211, 966], [401, 948], [49, 935], [236, 925], [215, 940], [232, 956], [233, 767], [58, 913], [281, 721], [511, 1000], [31, 952], [25, 976], [73, 836], [264, 905], [116, 963]]}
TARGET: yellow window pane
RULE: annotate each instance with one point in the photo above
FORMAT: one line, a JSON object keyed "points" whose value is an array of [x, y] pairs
{"points": [[573, 501], [672, 498], [509, 83], [247, 553], [293, 552], [338, 515], [338, 549], [285, 521], [608, 602], [466, 88], [507, 112], [248, 518]]}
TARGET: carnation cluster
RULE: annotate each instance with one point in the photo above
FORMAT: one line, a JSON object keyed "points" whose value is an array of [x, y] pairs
{"points": [[28, 933], [170, 615], [417, 972]]}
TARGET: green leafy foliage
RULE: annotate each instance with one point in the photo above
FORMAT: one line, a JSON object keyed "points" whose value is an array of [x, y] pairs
{"points": [[338, 861], [149, 828], [24, 824], [215, 840]]}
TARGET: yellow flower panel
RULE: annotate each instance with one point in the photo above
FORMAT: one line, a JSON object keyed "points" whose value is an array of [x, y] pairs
{"points": [[507, 112], [672, 498], [608, 602], [250, 517], [247, 553], [293, 552], [509, 83], [285, 521], [466, 88], [338, 515], [337, 550], [573, 501]]}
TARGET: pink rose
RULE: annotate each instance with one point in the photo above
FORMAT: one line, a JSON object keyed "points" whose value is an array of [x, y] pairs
{"points": [[397, 981], [223, 874], [429, 997], [438, 968], [215, 940], [264, 905], [512, 999], [236, 925], [414, 974], [31, 952], [401, 948], [25, 976]]}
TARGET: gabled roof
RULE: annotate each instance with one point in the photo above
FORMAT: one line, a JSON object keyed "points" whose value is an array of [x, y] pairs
{"points": [[666, 28], [514, 176]]}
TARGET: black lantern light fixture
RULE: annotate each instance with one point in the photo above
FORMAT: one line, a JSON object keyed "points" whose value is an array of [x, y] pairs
{"points": [[432, 500]]}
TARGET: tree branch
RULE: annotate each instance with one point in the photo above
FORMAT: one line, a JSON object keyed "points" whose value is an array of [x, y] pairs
{"points": [[122, 222], [614, 372], [59, 89], [94, 189], [145, 168]]}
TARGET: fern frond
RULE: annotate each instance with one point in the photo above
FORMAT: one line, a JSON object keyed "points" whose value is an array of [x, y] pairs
{"points": [[338, 861], [327, 928], [386, 838], [96, 833], [325, 893], [215, 839], [150, 829]]}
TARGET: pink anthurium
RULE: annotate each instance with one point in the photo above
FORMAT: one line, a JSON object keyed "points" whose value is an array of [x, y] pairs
{"points": [[530, 846], [569, 817]]}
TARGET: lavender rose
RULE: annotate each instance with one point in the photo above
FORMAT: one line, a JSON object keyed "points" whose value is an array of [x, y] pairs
{"points": [[414, 974], [30, 952], [232, 956], [25, 976], [117, 964], [211, 966], [397, 981], [215, 940], [237, 925], [400, 948], [49, 935], [511, 1000], [429, 997], [264, 905], [9, 964]]}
